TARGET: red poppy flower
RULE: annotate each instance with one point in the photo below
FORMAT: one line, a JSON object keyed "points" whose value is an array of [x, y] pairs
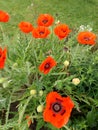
{"points": [[40, 32], [58, 109], [4, 16], [2, 57], [47, 65], [45, 20], [62, 31], [86, 38], [25, 27]]}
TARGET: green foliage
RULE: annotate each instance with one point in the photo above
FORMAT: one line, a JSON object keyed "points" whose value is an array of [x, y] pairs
{"points": [[25, 54]]}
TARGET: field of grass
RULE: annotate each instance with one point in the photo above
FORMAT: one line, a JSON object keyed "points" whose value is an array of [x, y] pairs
{"points": [[72, 12], [21, 73]]}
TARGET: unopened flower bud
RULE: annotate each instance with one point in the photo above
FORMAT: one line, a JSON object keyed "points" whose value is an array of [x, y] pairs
{"points": [[40, 108], [33, 92], [41, 92], [76, 81], [66, 63]]}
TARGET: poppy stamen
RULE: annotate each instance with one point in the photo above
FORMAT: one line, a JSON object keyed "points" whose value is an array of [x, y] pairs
{"points": [[87, 38], [56, 107], [47, 66], [45, 21], [41, 33]]}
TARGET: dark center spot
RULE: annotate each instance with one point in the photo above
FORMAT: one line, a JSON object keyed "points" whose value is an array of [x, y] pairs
{"points": [[63, 30], [45, 21], [63, 112], [86, 38], [56, 107], [41, 33], [47, 66]]}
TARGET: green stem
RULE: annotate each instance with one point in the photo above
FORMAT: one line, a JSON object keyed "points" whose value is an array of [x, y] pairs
{"points": [[21, 114], [8, 109]]}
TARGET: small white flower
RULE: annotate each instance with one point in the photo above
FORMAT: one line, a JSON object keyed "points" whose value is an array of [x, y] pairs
{"points": [[85, 28], [57, 22], [76, 81], [82, 28], [40, 108], [89, 28]]}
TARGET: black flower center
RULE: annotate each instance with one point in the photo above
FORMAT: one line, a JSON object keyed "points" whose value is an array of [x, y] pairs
{"points": [[63, 30], [56, 107], [45, 21], [86, 38], [41, 32], [47, 66]]}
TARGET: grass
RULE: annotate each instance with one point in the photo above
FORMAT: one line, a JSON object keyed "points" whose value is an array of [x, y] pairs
{"points": [[71, 12]]}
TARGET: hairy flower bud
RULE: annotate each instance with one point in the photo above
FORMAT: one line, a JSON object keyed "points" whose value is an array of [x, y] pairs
{"points": [[33, 92], [76, 81], [66, 63], [40, 108], [41, 92]]}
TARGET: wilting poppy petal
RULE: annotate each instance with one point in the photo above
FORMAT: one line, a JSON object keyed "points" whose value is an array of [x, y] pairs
{"points": [[47, 65], [86, 38], [25, 27], [45, 20], [58, 109]]}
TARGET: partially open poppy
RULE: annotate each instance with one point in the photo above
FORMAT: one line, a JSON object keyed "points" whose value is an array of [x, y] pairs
{"points": [[40, 32], [86, 38], [62, 31], [45, 20], [58, 109], [47, 65], [4, 16], [2, 57], [25, 27]]}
